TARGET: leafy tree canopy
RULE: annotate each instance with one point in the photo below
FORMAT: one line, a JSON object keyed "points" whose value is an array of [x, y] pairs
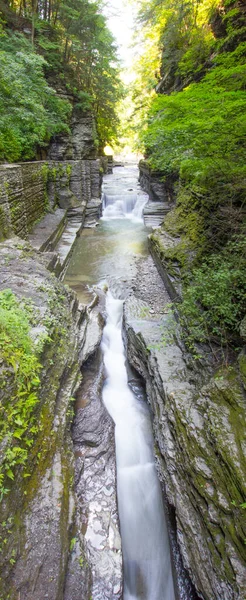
{"points": [[70, 43], [30, 110]]}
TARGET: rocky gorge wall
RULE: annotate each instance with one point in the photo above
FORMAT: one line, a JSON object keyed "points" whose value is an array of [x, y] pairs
{"points": [[69, 178], [49, 547], [200, 442], [199, 421], [161, 194]]}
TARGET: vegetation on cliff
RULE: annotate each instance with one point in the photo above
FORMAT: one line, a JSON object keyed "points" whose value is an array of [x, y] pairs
{"points": [[30, 110], [194, 136], [21, 367], [54, 55]]}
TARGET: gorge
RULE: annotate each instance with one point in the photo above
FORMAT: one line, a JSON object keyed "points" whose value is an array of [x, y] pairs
{"points": [[122, 305], [115, 254]]}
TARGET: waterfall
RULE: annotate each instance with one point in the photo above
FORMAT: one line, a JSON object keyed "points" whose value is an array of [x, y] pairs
{"points": [[145, 544], [120, 206]]}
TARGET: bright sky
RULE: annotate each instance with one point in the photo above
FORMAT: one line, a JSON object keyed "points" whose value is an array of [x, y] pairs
{"points": [[120, 15]]}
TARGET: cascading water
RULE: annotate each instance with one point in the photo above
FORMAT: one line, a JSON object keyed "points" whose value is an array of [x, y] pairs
{"points": [[147, 563], [125, 205]]}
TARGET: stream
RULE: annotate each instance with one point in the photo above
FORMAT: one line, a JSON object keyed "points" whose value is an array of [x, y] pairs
{"points": [[106, 257], [147, 565]]}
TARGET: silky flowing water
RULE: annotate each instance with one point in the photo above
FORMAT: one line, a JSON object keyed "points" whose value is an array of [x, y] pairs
{"points": [[107, 254]]}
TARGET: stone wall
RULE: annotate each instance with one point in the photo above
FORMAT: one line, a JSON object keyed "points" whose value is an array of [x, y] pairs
{"points": [[22, 198], [198, 408], [29, 190]]}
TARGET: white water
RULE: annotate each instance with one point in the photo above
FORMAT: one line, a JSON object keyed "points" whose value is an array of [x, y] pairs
{"points": [[145, 544], [123, 206]]}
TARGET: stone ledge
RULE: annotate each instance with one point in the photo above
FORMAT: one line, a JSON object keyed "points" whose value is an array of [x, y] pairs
{"points": [[46, 234]]}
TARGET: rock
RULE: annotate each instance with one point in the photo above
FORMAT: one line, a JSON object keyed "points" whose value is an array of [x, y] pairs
{"points": [[79, 144], [67, 199], [200, 437], [28, 191], [163, 248], [42, 504], [43, 531], [161, 194], [22, 198], [93, 212], [154, 213], [97, 517]]}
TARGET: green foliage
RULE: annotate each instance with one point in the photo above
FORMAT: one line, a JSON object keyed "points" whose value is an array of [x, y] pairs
{"points": [[197, 136], [21, 365], [71, 43], [214, 301], [31, 112], [83, 57]]}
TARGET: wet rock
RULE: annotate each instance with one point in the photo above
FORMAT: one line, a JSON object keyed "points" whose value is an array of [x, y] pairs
{"points": [[96, 518], [40, 507], [92, 339], [93, 212]]}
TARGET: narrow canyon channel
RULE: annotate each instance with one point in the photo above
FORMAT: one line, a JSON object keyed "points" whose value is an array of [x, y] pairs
{"points": [[106, 261]]}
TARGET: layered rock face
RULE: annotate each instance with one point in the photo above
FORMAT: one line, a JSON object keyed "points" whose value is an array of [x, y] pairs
{"points": [[44, 549], [59, 537], [199, 427], [29, 190], [22, 198], [39, 508], [161, 194], [95, 476], [80, 143]]}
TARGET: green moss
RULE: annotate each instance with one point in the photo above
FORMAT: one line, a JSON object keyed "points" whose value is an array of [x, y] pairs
{"points": [[171, 258], [220, 448], [4, 226], [68, 172]]}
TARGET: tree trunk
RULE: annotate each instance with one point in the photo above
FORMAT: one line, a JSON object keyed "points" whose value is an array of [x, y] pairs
{"points": [[34, 12]]}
